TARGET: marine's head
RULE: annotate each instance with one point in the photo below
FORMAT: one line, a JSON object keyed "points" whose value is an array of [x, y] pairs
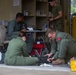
{"points": [[52, 2], [19, 17], [22, 34], [51, 33]]}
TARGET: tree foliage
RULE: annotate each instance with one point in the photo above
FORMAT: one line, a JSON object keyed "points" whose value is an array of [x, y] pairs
{"points": [[73, 9], [74, 1]]}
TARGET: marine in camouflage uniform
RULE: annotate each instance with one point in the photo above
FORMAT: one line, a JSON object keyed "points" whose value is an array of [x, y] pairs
{"points": [[17, 53], [56, 18], [13, 28], [63, 46]]}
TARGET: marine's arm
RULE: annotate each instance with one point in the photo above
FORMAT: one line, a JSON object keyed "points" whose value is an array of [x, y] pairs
{"points": [[25, 51], [10, 28]]}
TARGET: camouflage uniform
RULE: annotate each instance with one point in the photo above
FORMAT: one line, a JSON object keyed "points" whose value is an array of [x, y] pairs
{"points": [[64, 46], [13, 29], [17, 53]]}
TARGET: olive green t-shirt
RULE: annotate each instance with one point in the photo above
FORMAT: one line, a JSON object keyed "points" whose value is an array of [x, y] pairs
{"points": [[55, 11]]}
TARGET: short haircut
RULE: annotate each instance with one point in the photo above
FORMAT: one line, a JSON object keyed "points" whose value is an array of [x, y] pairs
{"points": [[22, 34], [50, 30], [19, 15], [50, 0]]}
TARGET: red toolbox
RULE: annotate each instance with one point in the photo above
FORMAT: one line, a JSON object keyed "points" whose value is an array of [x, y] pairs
{"points": [[37, 47]]}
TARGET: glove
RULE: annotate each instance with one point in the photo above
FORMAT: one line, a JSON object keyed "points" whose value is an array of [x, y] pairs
{"points": [[43, 60]]}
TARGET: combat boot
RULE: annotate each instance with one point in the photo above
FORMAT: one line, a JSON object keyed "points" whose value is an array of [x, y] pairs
{"points": [[58, 61]]}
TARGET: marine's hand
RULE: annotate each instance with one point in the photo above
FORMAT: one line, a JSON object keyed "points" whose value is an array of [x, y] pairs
{"points": [[51, 19], [50, 59], [48, 55], [24, 30]]}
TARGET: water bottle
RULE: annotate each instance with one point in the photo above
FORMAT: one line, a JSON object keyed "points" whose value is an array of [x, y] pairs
{"points": [[46, 26], [0, 56]]}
